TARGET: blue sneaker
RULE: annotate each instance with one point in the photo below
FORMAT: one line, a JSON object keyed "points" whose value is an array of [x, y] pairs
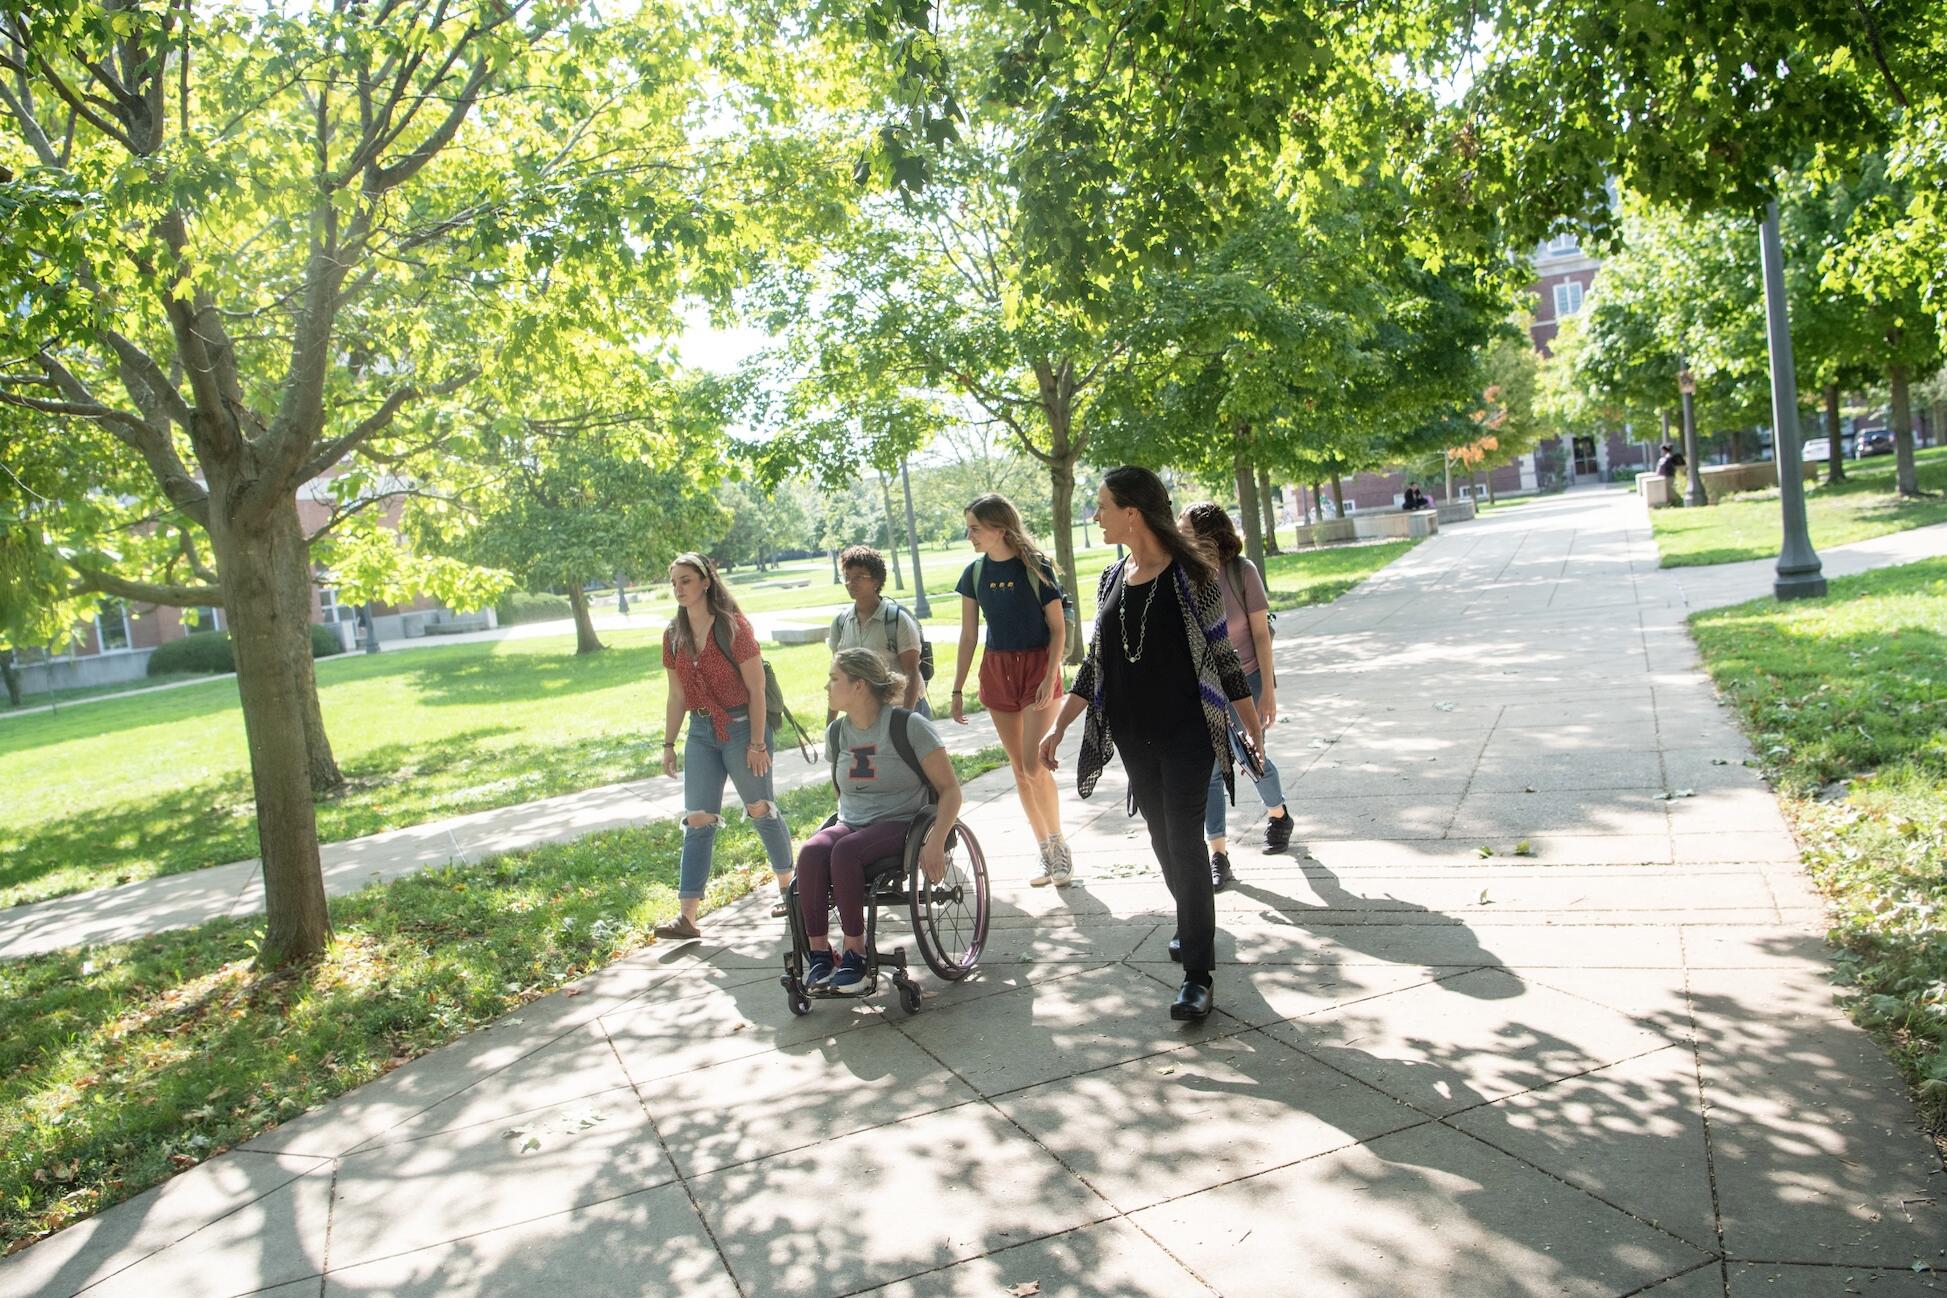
{"points": [[817, 971], [850, 978]]}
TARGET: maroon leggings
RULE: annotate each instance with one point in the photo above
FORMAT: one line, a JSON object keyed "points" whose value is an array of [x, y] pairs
{"points": [[831, 865]]}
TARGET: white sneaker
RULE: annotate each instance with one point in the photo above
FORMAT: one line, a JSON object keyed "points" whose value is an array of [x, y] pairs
{"points": [[1061, 866], [1047, 875]]}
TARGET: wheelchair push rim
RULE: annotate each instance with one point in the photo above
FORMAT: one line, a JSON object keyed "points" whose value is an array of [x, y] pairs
{"points": [[950, 917]]}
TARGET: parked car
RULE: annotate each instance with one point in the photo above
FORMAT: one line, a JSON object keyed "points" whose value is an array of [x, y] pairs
{"points": [[1874, 441], [1816, 451]]}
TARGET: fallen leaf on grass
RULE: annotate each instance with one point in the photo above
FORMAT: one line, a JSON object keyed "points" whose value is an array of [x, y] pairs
{"points": [[1484, 851], [533, 1143], [1524, 848]]}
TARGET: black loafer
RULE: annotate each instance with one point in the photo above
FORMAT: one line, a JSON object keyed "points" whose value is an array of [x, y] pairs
{"points": [[1176, 949], [1193, 1002]]}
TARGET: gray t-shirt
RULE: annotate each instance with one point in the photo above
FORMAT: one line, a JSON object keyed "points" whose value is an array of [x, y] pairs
{"points": [[874, 784], [1239, 604]]}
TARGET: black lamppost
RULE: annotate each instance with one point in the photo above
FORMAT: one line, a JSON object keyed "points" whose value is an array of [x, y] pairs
{"points": [[1800, 574], [920, 606], [1693, 471]]}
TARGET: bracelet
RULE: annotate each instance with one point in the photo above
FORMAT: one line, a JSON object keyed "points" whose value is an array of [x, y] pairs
{"points": [[670, 747], [958, 693], [756, 748]]}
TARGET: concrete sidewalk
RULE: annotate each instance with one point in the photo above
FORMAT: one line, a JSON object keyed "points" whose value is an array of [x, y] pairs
{"points": [[1610, 1068]]}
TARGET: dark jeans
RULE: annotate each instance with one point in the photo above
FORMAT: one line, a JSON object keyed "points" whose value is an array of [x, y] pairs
{"points": [[1169, 782], [831, 871]]}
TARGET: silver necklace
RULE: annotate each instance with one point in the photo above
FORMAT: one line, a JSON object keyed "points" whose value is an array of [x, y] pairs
{"points": [[1142, 626]]}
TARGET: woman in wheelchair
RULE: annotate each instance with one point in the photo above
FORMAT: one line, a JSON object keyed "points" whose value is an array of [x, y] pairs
{"points": [[879, 796]]}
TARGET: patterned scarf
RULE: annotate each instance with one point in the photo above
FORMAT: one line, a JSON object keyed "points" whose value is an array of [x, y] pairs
{"points": [[1220, 676]]}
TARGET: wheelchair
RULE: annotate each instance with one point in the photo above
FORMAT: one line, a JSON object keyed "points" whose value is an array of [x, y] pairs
{"points": [[949, 918]]}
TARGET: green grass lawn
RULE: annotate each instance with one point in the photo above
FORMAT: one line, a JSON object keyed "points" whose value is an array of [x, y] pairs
{"points": [[123, 1064], [1845, 700], [157, 784], [61, 698], [1747, 525]]}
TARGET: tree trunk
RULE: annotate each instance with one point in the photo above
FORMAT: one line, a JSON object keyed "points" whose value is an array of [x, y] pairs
{"points": [[1835, 455], [585, 641], [1247, 506], [1490, 486], [1318, 503], [1446, 461], [836, 579], [1906, 477], [892, 533], [1271, 510], [1058, 404], [621, 596], [1338, 494], [11, 676], [270, 631], [323, 767]]}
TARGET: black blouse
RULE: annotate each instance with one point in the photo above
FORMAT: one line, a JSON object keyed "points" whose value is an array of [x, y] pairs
{"points": [[1156, 697]]}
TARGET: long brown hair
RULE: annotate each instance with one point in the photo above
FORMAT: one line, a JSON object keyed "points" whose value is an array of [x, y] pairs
{"points": [[1211, 522], [720, 602], [1134, 487], [997, 511]]}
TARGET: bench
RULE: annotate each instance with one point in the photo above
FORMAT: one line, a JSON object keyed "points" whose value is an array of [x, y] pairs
{"points": [[1722, 480], [454, 626], [788, 633], [1455, 511]]}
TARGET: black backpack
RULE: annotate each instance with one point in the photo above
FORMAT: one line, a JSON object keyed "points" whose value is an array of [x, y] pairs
{"points": [[774, 704], [902, 742]]}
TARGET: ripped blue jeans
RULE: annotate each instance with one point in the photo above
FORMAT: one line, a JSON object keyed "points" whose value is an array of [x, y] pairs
{"points": [[707, 763]]}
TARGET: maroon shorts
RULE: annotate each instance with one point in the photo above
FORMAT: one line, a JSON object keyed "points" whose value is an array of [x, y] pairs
{"points": [[1010, 677]]}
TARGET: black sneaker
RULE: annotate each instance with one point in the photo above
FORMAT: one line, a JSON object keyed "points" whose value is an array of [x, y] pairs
{"points": [[1277, 832], [1220, 875]]}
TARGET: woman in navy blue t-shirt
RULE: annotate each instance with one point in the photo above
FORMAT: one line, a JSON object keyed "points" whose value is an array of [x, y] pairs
{"points": [[1012, 585]]}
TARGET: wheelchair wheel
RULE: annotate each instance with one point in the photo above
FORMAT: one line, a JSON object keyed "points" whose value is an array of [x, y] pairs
{"points": [[950, 917]]}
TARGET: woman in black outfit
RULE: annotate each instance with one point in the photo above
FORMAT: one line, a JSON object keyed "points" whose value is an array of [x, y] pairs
{"points": [[1161, 677]]}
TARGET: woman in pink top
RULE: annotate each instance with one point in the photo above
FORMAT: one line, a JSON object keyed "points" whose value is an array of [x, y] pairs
{"points": [[1247, 615]]}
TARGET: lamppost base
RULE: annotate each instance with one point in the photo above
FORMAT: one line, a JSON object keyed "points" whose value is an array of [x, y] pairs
{"points": [[1798, 585]]}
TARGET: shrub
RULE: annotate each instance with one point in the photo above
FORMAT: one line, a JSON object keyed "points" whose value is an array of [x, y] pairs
{"points": [[519, 607], [206, 651], [210, 651]]}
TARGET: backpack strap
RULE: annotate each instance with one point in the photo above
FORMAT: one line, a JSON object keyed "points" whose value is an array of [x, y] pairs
{"points": [[902, 742], [724, 637], [831, 749]]}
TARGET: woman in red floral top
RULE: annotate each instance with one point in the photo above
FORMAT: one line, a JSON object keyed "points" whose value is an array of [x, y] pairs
{"points": [[724, 696]]}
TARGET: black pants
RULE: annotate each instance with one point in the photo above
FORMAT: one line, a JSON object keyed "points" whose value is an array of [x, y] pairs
{"points": [[1170, 781]]}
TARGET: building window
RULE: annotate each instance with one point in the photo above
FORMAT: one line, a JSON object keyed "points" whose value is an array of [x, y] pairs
{"points": [[1562, 245], [198, 620], [332, 610], [1568, 298], [111, 626]]}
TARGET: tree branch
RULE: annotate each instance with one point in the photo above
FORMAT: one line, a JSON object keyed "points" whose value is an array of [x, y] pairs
{"points": [[144, 592]]}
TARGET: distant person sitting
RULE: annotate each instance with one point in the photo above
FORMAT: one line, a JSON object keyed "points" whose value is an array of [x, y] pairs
{"points": [[1667, 464], [1415, 498]]}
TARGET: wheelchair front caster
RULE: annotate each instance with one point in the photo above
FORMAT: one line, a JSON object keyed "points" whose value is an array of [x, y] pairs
{"points": [[795, 996], [908, 993]]}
